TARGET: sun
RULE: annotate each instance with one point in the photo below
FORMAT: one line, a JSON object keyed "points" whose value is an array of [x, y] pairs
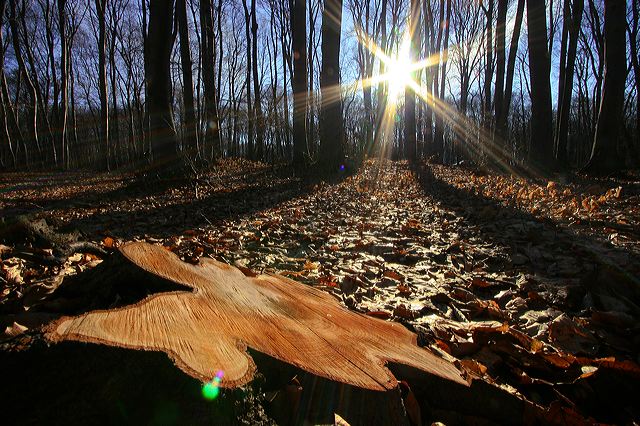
{"points": [[399, 69]]}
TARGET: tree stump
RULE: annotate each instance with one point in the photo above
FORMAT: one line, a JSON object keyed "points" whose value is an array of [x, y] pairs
{"points": [[209, 329]]}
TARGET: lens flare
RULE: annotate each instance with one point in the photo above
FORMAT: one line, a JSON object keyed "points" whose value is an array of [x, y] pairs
{"points": [[211, 390]]}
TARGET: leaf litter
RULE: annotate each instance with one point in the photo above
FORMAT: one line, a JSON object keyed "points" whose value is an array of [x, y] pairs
{"points": [[532, 286]]}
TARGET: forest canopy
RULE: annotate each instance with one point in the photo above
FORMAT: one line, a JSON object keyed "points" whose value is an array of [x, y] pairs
{"points": [[113, 83]]}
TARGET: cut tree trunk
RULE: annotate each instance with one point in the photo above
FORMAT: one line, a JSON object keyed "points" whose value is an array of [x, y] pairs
{"points": [[210, 329]]}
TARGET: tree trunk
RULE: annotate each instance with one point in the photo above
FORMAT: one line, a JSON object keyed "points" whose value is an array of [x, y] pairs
{"points": [[5, 102], [410, 142], [210, 116], [439, 131], [635, 63], [259, 148], [331, 120], [605, 156], [159, 47], [541, 152], [250, 117], [500, 65], [115, 122], [33, 94], [488, 71], [381, 126], [572, 21], [62, 112], [511, 65], [190, 136], [102, 82], [299, 83]]}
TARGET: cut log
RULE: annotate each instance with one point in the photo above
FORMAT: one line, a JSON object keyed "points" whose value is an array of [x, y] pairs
{"points": [[208, 329]]}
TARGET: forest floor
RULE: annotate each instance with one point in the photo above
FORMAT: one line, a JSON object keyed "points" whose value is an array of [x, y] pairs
{"points": [[531, 285]]}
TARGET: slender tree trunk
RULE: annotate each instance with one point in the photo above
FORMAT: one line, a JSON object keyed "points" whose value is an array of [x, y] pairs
{"points": [[541, 152], [500, 66], [299, 83], [635, 62], [115, 122], [102, 82], [605, 155], [159, 47], [190, 135], [5, 101], [331, 120], [221, 55], [17, 48], [250, 118], [488, 71], [62, 112], [429, 51], [259, 148], [511, 65], [52, 75], [439, 132], [381, 127], [311, 66], [210, 116], [409, 95], [572, 21]]}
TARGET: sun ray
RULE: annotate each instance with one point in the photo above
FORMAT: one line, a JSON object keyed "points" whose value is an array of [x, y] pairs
{"points": [[400, 76]]}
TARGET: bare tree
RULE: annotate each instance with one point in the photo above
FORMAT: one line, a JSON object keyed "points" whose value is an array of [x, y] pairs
{"points": [[331, 118], [299, 82], [190, 134], [159, 46], [250, 116], [257, 106], [210, 116], [572, 18], [635, 60], [503, 105], [605, 155], [26, 77], [541, 150], [102, 72], [410, 143]]}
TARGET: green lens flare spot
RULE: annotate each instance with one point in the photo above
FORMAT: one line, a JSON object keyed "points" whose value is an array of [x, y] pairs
{"points": [[210, 391]]}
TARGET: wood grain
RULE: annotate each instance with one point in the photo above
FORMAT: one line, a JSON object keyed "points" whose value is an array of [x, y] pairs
{"points": [[209, 329]]}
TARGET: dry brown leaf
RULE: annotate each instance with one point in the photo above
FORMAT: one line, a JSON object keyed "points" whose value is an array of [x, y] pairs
{"points": [[109, 242]]}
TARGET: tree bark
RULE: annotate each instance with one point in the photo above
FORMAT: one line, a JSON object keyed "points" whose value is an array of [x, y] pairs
{"points": [[210, 116], [115, 16], [190, 139], [257, 101], [159, 46], [331, 120], [500, 66], [410, 142], [63, 110], [250, 116], [439, 129], [541, 155], [635, 62], [299, 83], [605, 156], [381, 110], [102, 82], [572, 22], [33, 94], [488, 71], [511, 65], [5, 102]]}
